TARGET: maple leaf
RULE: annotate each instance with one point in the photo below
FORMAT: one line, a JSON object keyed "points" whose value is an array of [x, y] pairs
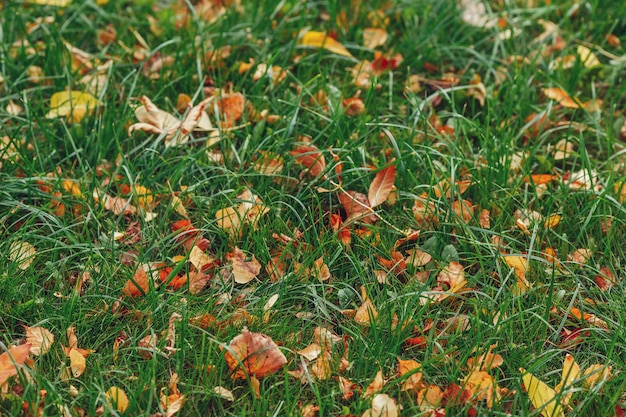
{"points": [[12, 360], [253, 354]]}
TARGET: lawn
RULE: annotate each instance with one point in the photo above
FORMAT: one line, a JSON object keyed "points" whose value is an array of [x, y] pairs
{"points": [[312, 208]]}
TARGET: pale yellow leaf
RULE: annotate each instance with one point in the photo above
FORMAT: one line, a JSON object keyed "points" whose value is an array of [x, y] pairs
{"points": [[73, 104], [542, 396], [56, 3], [23, 253], [40, 339], [588, 58]]}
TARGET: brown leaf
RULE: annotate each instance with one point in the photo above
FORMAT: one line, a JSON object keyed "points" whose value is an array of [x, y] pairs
{"points": [[381, 186], [256, 352], [347, 388], [414, 380], [12, 360], [367, 312], [321, 367], [357, 207], [243, 271], [230, 108], [374, 37]]}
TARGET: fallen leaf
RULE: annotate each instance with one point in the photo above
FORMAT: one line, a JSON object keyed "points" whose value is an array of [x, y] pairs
{"points": [[40, 339], [347, 388], [414, 380], [311, 157], [569, 374], [382, 406], [117, 399], [309, 410], [73, 104], [253, 354], [542, 396], [381, 186], [588, 58], [56, 3], [375, 386], [243, 271], [374, 37], [224, 393], [366, 312], [23, 253], [138, 285], [595, 374], [12, 360], [519, 264], [357, 207], [78, 364], [322, 40]]}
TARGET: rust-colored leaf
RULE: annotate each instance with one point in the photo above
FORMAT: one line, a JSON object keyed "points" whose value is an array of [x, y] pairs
{"points": [[137, 286], [311, 157], [253, 354], [381, 186], [357, 207]]}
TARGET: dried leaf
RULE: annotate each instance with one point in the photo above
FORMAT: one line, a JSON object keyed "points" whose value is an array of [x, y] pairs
{"points": [[381, 186], [519, 264], [256, 352], [40, 339], [322, 40], [374, 37], [542, 396], [414, 380], [137, 286], [382, 406], [77, 363], [375, 386], [23, 253], [12, 360], [243, 271], [569, 374], [117, 399], [321, 367], [357, 207], [73, 104], [367, 312], [311, 157], [224, 393]]}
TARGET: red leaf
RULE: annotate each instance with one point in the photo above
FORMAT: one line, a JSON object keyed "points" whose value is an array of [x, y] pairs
{"points": [[381, 186], [357, 207]]}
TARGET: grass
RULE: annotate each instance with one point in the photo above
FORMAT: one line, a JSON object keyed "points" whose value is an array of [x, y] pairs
{"points": [[495, 145]]}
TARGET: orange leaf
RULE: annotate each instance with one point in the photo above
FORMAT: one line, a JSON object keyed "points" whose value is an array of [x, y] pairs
{"points": [[322, 40], [138, 285], [381, 186], [11, 361], [310, 157], [376, 385], [258, 354], [231, 107]]}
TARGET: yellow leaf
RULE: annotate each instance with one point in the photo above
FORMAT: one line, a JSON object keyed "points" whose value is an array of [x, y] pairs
{"points": [[587, 57], [322, 40], [542, 396], [77, 363], [73, 104], [117, 399], [569, 374]]}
